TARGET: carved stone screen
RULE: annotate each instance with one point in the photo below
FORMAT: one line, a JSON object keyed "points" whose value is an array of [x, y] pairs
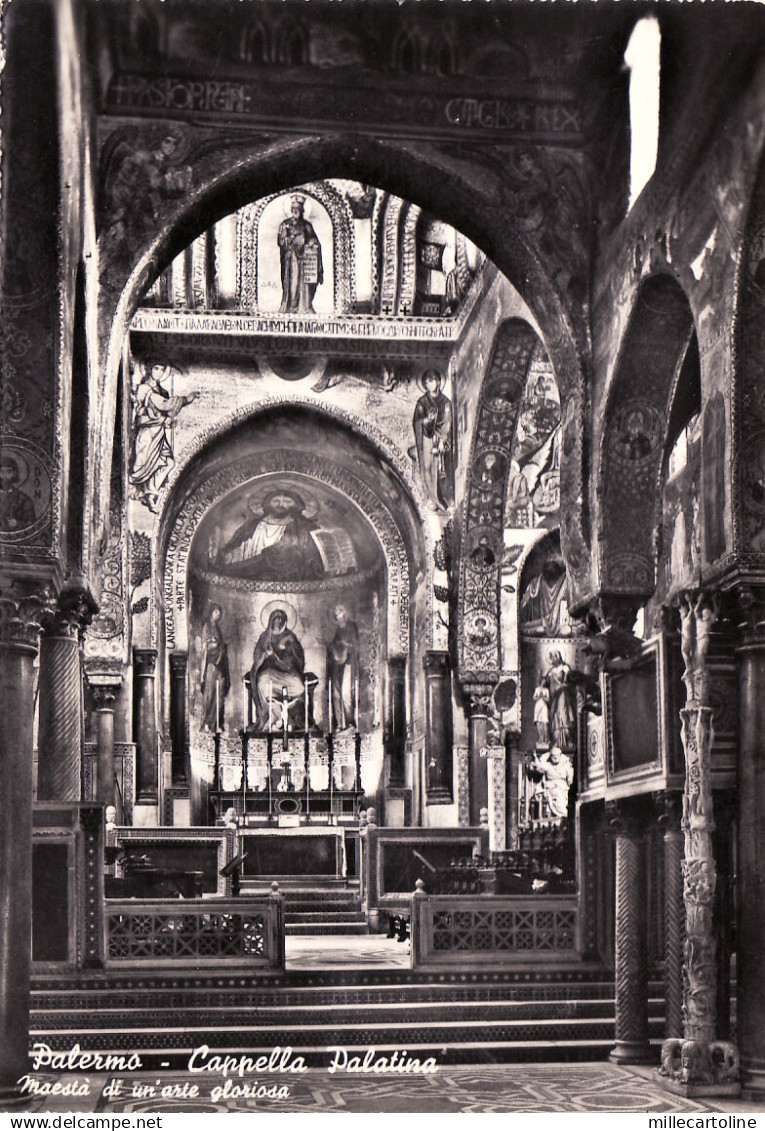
{"points": [[635, 710], [50, 906]]}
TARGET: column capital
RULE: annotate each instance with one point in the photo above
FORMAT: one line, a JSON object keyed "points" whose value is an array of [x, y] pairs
{"points": [[74, 610], [179, 663], [436, 662], [144, 661], [479, 699], [104, 690], [621, 822], [747, 611], [23, 612], [611, 620], [668, 805]]}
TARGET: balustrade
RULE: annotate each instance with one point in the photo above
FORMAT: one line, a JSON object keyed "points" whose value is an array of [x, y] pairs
{"points": [[240, 931], [448, 930]]}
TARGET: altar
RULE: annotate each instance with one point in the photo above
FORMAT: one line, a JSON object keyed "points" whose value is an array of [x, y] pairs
{"points": [[291, 780], [305, 851]]}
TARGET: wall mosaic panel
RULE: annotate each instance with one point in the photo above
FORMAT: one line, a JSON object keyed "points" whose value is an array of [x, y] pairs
{"points": [[344, 283], [479, 658], [654, 347]]}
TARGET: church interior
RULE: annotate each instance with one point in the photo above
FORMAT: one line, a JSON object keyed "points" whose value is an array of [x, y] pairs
{"points": [[382, 535]]}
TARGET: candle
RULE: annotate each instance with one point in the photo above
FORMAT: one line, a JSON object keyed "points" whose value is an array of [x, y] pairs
{"points": [[270, 695], [305, 693], [357, 702], [329, 698], [217, 706], [245, 710]]}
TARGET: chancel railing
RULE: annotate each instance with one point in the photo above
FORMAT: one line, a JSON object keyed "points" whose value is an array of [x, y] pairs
{"points": [[305, 776], [243, 932], [451, 930]]}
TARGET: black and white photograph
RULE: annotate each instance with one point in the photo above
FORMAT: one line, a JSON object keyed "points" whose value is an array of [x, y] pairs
{"points": [[382, 559]]}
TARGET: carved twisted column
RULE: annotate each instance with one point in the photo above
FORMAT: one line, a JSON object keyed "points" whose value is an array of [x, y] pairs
{"points": [[478, 707], [439, 759], [698, 1065], [674, 914], [395, 720], [632, 1045], [21, 615], [59, 766], [104, 690], [750, 952], [145, 725]]}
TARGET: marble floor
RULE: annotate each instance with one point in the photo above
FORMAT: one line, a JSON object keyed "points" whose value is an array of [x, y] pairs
{"points": [[345, 952], [600, 1087]]}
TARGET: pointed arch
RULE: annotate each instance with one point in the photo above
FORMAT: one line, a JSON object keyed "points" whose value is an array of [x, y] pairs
{"points": [[658, 336]]}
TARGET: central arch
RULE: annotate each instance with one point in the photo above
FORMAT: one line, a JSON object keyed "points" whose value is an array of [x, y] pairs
{"points": [[228, 177]]}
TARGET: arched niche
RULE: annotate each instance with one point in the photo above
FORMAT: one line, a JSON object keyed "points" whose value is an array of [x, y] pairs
{"points": [[292, 439], [339, 265], [482, 542], [659, 334], [328, 557]]}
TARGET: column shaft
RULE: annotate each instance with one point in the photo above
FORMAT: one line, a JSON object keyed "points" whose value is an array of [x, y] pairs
{"points": [[145, 725], [396, 721], [16, 670], [59, 773], [439, 777], [674, 920], [632, 1045], [478, 770], [179, 719], [751, 853]]}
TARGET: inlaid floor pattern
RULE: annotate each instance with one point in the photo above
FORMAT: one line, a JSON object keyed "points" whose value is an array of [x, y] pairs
{"points": [[456, 1089]]}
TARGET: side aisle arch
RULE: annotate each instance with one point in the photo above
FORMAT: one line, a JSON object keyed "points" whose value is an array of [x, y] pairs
{"points": [[478, 651], [657, 339]]}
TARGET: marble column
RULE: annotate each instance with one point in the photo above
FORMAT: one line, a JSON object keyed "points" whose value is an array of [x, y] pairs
{"points": [[145, 725], [697, 1064], [60, 696], [20, 620], [632, 1045], [674, 913], [750, 952], [439, 759], [179, 720], [478, 707], [396, 721], [104, 690]]}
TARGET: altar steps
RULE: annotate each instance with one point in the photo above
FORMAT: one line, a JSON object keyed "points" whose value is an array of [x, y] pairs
{"points": [[458, 1018], [319, 909]]}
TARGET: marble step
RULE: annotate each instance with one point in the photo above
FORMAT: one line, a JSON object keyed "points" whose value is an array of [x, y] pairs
{"points": [[341, 926], [139, 1016], [325, 915], [281, 997], [170, 1035]]}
